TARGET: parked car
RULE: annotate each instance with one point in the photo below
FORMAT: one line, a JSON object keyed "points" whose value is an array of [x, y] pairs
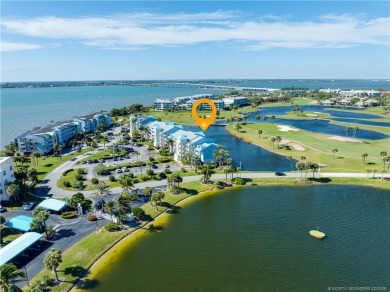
{"points": [[89, 161], [126, 156], [28, 206], [154, 166], [83, 162], [166, 166], [101, 160], [125, 169], [99, 204], [95, 161], [119, 170], [2, 209], [106, 172], [73, 159], [120, 158], [115, 159], [279, 173]]}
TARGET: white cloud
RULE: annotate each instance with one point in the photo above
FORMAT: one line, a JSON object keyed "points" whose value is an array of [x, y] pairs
{"points": [[11, 47], [133, 31]]}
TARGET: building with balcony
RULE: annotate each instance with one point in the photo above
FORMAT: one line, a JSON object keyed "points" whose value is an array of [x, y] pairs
{"points": [[6, 175]]}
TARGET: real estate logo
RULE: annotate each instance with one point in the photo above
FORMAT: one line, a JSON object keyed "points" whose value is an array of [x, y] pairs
{"points": [[204, 123]]}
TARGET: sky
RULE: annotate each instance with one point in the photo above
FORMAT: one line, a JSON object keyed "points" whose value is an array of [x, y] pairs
{"points": [[129, 40]]}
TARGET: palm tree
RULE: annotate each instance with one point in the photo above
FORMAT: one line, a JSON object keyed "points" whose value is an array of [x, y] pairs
{"points": [[273, 139], [237, 127], [290, 158], [126, 183], [52, 260], [101, 190], [355, 130], [260, 132], [36, 225], [364, 156], [278, 139], [140, 167], [334, 151], [40, 214], [123, 202], [13, 191], [147, 191], [207, 171], [368, 172], [347, 130], [314, 167], [170, 143], [110, 207], [226, 171], [9, 275], [303, 158], [157, 198], [105, 140], [374, 172], [383, 154], [176, 179], [300, 166]]}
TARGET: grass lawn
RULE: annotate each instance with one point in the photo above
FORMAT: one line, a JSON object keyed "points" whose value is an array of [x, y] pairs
{"points": [[105, 154], [48, 163], [78, 258], [318, 147], [8, 235]]}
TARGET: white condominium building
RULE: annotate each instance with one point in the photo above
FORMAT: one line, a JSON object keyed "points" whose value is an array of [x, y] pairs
{"points": [[236, 100], [6, 175], [180, 141], [163, 104]]}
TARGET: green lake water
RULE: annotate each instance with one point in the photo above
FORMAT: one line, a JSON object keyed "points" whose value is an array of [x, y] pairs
{"points": [[257, 239]]}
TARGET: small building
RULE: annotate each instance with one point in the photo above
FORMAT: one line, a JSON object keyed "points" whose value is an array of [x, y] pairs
{"points": [[328, 102], [52, 205], [6, 175], [20, 222]]}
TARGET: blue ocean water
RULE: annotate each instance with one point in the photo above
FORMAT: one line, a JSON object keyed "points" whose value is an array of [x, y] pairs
{"points": [[25, 108]]}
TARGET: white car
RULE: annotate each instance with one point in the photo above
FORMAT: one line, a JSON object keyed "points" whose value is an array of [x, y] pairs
{"points": [[119, 170]]}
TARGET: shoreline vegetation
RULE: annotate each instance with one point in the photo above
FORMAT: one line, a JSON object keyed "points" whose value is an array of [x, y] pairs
{"points": [[86, 259]]}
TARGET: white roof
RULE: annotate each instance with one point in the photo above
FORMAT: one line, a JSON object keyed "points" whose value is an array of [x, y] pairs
{"points": [[14, 248], [52, 204]]}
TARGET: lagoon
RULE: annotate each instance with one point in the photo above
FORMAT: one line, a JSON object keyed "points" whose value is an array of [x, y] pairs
{"points": [[256, 239], [251, 157]]}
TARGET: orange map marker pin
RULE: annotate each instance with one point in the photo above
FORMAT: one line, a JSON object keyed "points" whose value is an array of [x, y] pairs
{"points": [[204, 123]]}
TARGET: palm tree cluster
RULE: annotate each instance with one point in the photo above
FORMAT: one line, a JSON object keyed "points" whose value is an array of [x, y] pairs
{"points": [[9, 276], [222, 156], [39, 221]]}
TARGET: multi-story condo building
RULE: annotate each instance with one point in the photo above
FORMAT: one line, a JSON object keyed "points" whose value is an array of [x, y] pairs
{"points": [[180, 141], [236, 100], [219, 104], [43, 139], [163, 104], [6, 175], [359, 93]]}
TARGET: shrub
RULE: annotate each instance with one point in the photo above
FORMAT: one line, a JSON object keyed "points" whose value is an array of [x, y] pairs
{"points": [[100, 169], [164, 152], [183, 170], [79, 177], [139, 213], [78, 185], [86, 204], [239, 181], [92, 218], [135, 180], [111, 227], [167, 171], [151, 159], [80, 170], [67, 184], [69, 215], [46, 280], [130, 174], [162, 175], [78, 196], [163, 159], [94, 181], [175, 190], [150, 172], [145, 178], [67, 171], [111, 178]]}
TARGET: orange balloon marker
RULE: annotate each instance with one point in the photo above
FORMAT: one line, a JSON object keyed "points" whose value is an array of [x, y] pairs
{"points": [[204, 123]]}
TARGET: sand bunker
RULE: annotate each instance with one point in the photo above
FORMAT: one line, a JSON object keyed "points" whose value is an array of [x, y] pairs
{"points": [[345, 139], [296, 146], [286, 129]]}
